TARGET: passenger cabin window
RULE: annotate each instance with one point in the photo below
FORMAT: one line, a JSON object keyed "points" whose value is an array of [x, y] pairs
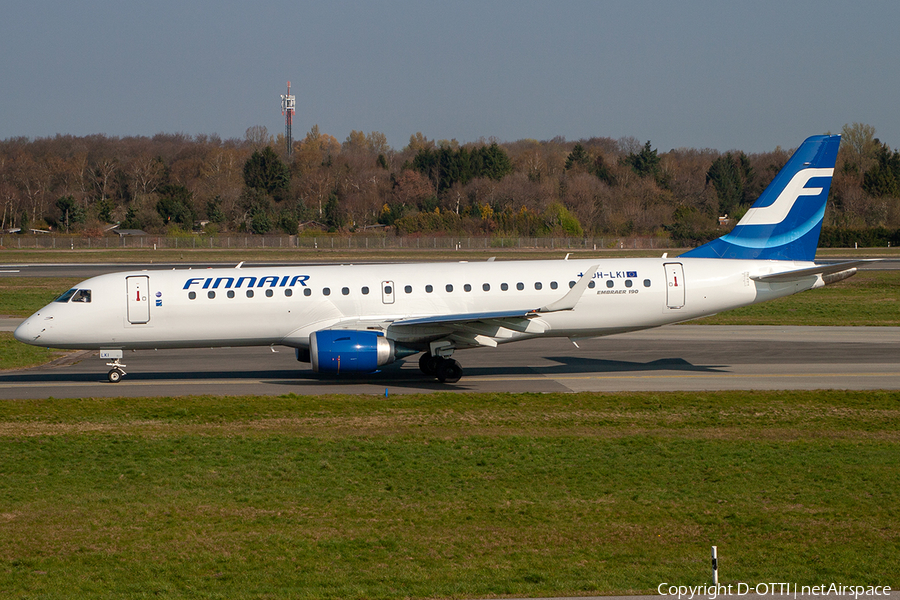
{"points": [[408, 289], [428, 289], [504, 286], [486, 287], [192, 295], [553, 285], [646, 283], [592, 284], [307, 292], [249, 293], [571, 284], [82, 296], [269, 293], [628, 283], [288, 292], [326, 291], [449, 287], [365, 290], [467, 288], [345, 291], [609, 283], [210, 294], [66, 295], [231, 293], [520, 286], [538, 285]]}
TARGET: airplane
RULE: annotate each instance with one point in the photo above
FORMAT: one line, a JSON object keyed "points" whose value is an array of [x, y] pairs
{"points": [[357, 318]]}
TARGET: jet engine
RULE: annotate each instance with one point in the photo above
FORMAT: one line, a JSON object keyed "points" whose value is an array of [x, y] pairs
{"points": [[347, 351]]}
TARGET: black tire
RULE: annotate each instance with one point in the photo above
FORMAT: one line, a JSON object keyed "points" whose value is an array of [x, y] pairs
{"points": [[114, 375], [428, 364], [449, 371]]}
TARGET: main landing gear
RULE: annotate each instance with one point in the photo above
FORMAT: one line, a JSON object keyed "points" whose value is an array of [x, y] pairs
{"points": [[446, 370]]}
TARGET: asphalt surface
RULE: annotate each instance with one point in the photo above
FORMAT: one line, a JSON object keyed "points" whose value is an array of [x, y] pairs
{"points": [[671, 358]]}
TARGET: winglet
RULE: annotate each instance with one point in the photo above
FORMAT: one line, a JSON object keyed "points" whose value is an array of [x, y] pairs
{"points": [[571, 298]]}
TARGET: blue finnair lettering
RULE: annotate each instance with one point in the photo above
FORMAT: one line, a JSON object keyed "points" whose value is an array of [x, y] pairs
{"points": [[228, 282]]}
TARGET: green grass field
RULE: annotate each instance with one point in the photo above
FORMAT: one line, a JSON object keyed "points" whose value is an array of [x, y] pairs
{"points": [[445, 495], [16, 355]]}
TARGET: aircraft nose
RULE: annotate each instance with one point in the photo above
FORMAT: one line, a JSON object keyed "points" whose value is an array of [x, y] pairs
{"points": [[30, 330]]}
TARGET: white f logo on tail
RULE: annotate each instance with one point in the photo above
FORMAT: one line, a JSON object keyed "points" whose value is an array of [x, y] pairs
{"points": [[777, 211]]}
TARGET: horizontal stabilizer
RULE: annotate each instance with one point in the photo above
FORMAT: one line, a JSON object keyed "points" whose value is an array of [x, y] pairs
{"points": [[810, 271]]}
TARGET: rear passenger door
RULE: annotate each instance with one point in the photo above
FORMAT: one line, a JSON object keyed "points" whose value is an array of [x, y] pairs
{"points": [[674, 285]]}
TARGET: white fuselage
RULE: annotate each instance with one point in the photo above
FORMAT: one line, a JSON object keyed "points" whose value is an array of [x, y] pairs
{"points": [[211, 307]]}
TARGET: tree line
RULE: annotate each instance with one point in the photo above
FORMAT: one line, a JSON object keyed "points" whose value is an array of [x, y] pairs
{"points": [[171, 183]]}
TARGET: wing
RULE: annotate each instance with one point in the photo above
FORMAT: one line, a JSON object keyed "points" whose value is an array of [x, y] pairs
{"points": [[469, 330]]}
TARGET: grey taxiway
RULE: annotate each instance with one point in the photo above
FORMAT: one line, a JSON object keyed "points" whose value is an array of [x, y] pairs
{"points": [[671, 358]]}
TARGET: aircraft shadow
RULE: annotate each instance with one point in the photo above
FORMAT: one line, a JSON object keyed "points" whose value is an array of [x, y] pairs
{"points": [[573, 364], [395, 373]]}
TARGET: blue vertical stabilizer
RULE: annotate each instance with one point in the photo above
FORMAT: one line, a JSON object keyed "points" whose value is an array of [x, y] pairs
{"points": [[784, 223]]}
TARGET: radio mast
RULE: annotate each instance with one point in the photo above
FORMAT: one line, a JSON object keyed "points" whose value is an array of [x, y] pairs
{"points": [[287, 109]]}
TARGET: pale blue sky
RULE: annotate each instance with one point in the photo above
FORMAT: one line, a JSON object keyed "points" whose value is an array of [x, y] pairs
{"points": [[723, 75]]}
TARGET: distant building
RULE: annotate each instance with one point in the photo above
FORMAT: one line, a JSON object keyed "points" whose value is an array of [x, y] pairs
{"points": [[130, 232]]}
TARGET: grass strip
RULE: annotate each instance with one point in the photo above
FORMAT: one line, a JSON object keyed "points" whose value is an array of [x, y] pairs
{"points": [[445, 495], [16, 355]]}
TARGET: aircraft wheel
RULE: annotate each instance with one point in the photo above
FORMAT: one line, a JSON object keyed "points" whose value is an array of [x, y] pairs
{"points": [[115, 375], [428, 364], [449, 371]]}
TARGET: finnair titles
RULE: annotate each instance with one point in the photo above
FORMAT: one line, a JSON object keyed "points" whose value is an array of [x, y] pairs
{"points": [[357, 318]]}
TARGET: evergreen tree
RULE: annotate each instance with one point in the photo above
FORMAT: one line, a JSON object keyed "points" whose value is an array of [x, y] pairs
{"points": [[578, 159], [265, 171], [602, 171], [495, 163], [175, 205], [645, 163], [214, 211], [883, 179], [333, 216], [72, 213], [731, 176]]}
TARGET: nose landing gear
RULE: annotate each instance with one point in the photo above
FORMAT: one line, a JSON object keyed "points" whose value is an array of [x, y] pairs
{"points": [[115, 374], [118, 369]]}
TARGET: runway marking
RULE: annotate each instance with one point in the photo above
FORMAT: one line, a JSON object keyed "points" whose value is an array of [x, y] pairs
{"points": [[9, 271]]}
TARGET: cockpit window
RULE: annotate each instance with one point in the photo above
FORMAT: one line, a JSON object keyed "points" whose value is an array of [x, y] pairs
{"points": [[65, 297], [82, 296]]}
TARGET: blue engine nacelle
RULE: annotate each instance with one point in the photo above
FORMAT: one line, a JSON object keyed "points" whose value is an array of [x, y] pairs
{"points": [[346, 351]]}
